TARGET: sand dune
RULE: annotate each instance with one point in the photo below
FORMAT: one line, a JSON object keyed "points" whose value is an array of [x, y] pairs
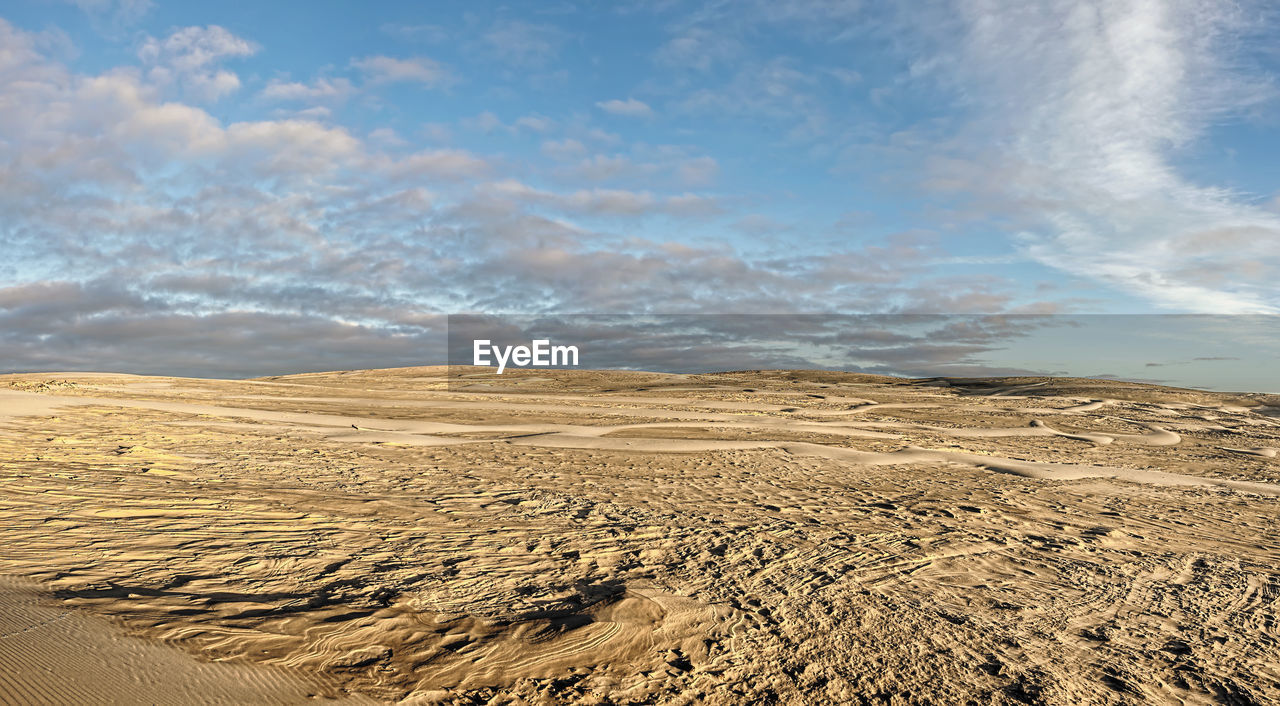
{"points": [[596, 537]]}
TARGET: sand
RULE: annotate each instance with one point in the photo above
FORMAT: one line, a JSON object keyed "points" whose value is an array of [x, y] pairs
{"points": [[592, 537], [51, 654]]}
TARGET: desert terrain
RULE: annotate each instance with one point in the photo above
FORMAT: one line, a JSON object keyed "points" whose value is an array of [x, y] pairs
{"points": [[796, 537]]}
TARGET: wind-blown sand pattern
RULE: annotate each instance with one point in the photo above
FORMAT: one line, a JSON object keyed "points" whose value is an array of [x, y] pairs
{"points": [[803, 537]]}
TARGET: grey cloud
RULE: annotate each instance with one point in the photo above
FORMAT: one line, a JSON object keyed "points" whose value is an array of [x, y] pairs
{"points": [[900, 345]]}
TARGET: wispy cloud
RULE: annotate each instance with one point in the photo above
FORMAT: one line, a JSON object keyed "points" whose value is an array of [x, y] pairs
{"points": [[416, 32], [608, 201], [386, 69], [524, 44], [1081, 113], [630, 107], [114, 17], [321, 90], [489, 122]]}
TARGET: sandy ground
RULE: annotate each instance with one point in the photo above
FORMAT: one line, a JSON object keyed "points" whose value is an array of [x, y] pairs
{"points": [[793, 537]]}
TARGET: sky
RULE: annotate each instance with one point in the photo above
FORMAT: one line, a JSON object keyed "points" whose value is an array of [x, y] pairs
{"points": [[235, 189]]}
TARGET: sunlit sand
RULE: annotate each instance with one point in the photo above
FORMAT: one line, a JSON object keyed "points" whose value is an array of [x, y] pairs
{"points": [[597, 537]]}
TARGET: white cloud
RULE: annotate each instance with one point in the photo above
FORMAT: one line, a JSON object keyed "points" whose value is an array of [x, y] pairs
{"points": [[524, 44], [699, 171], [692, 205], [1088, 108], [387, 136], [757, 224], [656, 166], [113, 16], [607, 202], [437, 132], [606, 167], [535, 123], [440, 164], [386, 69], [565, 149], [194, 48], [698, 48], [486, 122], [847, 77], [489, 122], [315, 113], [188, 58], [630, 107], [776, 91], [321, 90], [417, 32], [291, 146]]}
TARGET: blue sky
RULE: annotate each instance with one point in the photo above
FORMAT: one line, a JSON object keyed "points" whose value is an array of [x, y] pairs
{"points": [[267, 187]]}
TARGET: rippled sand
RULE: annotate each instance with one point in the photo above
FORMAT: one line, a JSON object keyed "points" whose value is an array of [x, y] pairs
{"points": [[635, 538]]}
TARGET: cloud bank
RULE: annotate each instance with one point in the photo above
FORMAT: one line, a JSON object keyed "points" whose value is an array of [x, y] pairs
{"points": [[178, 212]]}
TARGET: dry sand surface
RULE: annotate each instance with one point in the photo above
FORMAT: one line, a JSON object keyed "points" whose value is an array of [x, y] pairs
{"points": [[753, 537]]}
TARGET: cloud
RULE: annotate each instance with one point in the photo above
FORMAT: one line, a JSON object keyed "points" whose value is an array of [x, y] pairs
{"points": [[922, 346], [847, 77], [692, 205], [293, 147], [777, 93], [147, 234], [321, 90], [188, 58], [387, 136], [716, 70], [377, 70], [441, 164], [1197, 359], [535, 123], [524, 44], [699, 49], [386, 69], [1081, 116], [484, 122], [657, 166], [96, 326], [699, 171], [191, 49], [630, 108], [416, 32], [600, 167], [488, 122], [607, 202], [565, 149], [114, 17], [758, 224]]}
